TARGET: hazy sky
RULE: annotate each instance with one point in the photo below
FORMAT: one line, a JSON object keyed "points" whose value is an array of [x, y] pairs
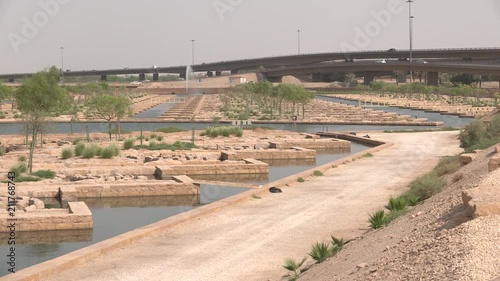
{"points": [[100, 34]]}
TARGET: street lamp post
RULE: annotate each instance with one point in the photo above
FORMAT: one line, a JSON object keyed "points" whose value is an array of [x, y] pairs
{"points": [[62, 64], [192, 50], [298, 33], [411, 17]]}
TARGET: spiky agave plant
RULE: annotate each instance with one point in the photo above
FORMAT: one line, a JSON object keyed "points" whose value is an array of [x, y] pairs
{"points": [[337, 244], [377, 220], [320, 252], [294, 267], [396, 204]]}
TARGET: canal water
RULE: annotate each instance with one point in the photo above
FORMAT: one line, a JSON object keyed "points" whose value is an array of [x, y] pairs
{"points": [[115, 216]]}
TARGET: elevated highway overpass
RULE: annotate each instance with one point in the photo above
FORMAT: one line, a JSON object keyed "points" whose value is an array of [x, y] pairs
{"points": [[295, 62]]}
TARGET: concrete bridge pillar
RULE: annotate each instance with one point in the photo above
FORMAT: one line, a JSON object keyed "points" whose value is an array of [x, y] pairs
{"points": [[104, 77], [234, 71], [182, 75], [210, 74], [369, 77], [432, 78], [218, 73], [156, 77], [142, 77], [316, 77], [11, 80]]}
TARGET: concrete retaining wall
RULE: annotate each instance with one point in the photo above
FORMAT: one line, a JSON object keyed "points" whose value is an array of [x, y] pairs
{"points": [[226, 168], [321, 144], [270, 154], [78, 216]]}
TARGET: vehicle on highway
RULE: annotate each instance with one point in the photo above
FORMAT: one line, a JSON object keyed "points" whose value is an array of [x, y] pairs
{"points": [[136, 83], [381, 61], [391, 50], [421, 61]]}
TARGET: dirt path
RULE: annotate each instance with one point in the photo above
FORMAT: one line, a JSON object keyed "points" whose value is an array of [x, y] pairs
{"points": [[250, 241]]}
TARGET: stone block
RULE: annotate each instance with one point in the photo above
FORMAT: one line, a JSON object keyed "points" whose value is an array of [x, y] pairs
{"points": [[466, 158], [497, 149], [482, 201], [494, 164]]}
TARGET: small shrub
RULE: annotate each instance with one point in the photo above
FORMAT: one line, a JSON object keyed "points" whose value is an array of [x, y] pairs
{"points": [[320, 252], [427, 185], [334, 166], [21, 158], [153, 136], [79, 148], [17, 116], [394, 215], [91, 151], [128, 144], [367, 155], [256, 197], [159, 138], [2, 151], [19, 169], [67, 153], [294, 268], [77, 141], [60, 143], [152, 143], [377, 219], [318, 173], [45, 174], [337, 245], [447, 165], [412, 199], [396, 204], [110, 151], [300, 179]]}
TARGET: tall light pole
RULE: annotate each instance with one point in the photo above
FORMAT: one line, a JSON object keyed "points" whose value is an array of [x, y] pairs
{"points": [[62, 64], [298, 35], [192, 50], [411, 17]]}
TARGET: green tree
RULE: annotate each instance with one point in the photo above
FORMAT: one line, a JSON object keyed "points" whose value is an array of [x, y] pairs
{"points": [[109, 107], [37, 98]]}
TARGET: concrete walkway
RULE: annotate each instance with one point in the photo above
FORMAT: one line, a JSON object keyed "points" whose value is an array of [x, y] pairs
{"points": [[251, 240]]}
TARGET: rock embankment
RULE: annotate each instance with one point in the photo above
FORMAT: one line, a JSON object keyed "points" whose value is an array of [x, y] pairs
{"points": [[438, 240]]}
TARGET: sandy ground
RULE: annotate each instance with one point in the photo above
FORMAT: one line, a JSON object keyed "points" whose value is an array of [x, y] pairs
{"points": [[251, 240]]}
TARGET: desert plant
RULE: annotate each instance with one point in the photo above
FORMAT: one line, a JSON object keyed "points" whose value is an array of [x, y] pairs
{"points": [[320, 252], [153, 136], [19, 168], [294, 268], [393, 215], [67, 153], [21, 158], [300, 179], [110, 151], [367, 155], [411, 199], [427, 185], [377, 219], [2, 151], [337, 244], [447, 165], [318, 173], [27, 179], [159, 138], [396, 204], [79, 148], [60, 143], [91, 151], [77, 140], [169, 130], [128, 144], [45, 174]]}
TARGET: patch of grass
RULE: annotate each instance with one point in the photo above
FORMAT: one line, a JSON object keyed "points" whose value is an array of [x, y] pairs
{"points": [[394, 215], [45, 174], [2, 151], [27, 179], [214, 132], [377, 220], [67, 153], [318, 173], [178, 145], [168, 130], [483, 144], [426, 186], [21, 158], [300, 179], [294, 269], [367, 155], [411, 198], [447, 165], [80, 146], [396, 204], [19, 169], [320, 252], [128, 144]]}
